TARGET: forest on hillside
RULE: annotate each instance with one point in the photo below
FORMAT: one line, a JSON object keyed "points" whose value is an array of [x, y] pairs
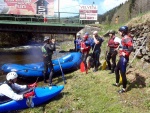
{"points": [[125, 12]]}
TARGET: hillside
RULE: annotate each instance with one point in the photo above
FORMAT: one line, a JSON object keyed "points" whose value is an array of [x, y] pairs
{"points": [[125, 12]]}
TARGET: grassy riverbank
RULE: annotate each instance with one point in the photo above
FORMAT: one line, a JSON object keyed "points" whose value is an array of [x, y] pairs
{"points": [[94, 93]]}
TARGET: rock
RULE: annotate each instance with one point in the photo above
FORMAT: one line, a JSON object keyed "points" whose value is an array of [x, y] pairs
{"points": [[145, 34], [144, 52], [146, 58], [139, 56], [89, 30]]}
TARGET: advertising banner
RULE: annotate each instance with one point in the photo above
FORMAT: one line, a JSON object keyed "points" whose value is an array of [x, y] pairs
{"points": [[88, 12], [27, 7]]}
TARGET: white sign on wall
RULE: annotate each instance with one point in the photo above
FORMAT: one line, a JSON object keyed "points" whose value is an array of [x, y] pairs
{"points": [[88, 12]]}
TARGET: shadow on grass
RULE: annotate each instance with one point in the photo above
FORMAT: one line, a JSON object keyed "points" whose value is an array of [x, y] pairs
{"points": [[58, 97], [138, 82], [43, 106]]}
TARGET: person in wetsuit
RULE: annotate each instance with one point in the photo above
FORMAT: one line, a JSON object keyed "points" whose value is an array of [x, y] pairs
{"points": [[112, 52], [47, 49], [124, 53], [85, 48], [97, 42]]}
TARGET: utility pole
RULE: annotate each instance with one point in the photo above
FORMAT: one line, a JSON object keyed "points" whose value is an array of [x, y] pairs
{"points": [[58, 12], [93, 3]]}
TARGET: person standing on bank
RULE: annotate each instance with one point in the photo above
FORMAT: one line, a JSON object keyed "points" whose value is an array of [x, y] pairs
{"points": [[97, 42], [124, 52], [77, 42], [112, 52], [85, 48], [47, 49], [9, 89]]}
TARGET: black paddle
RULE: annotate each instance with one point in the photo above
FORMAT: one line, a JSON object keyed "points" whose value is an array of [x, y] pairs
{"points": [[63, 76]]}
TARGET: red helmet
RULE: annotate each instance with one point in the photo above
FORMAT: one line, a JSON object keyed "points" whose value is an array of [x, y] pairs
{"points": [[85, 37]]}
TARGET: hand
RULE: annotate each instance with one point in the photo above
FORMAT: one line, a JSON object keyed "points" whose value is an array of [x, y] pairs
{"points": [[82, 48], [27, 95], [44, 56], [123, 54], [32, 85], [53, 40], [93, 36]]}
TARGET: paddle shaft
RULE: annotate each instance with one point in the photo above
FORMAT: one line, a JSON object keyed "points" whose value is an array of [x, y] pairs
{"points": [[136, 54], [63, 76], [62, 72]]}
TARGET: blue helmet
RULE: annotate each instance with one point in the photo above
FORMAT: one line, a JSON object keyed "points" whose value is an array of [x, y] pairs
{"points": [[86, 33], [124, 29]]}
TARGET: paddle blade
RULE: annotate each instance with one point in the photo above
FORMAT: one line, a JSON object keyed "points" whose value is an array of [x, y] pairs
{"points": [[120, 80], [82, 67], [104, 65]]}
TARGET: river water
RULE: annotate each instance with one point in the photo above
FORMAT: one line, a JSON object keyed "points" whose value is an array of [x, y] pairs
{"points": [[28, 56], [24, 57]]}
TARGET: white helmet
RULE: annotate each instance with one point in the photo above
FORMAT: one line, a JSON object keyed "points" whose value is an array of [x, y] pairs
{"points": [[78, 34], [46, 38], [95, 33], [11, 76]]}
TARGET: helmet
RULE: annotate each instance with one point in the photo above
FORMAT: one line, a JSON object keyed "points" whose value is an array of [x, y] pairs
{"points": [[123, 29], [112, 32], [11, 76], [86, 33], [95, 33], [46, 38], [78, 34], [85, 37]]}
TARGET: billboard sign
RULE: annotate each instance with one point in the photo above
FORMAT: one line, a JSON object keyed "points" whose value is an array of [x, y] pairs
{"points": [[88, 12], [27, 7]]}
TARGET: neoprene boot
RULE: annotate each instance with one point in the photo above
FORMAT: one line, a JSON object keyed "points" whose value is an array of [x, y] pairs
{"points": [[45, 78]]}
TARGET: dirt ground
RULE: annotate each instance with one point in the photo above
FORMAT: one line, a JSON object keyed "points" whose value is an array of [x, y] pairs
{"points": [[139, 74]]}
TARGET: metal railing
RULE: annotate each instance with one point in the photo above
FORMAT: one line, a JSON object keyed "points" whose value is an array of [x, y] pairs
{"points": [[58, 18]]}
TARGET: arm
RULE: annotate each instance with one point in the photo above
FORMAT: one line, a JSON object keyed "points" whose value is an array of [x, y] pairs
{"points": [[95, 40], [130, 48], [19, 87], [7, 91], [51, 46]]}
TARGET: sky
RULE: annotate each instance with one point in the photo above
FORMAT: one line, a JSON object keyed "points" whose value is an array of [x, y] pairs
{"points": [[73, 5]]}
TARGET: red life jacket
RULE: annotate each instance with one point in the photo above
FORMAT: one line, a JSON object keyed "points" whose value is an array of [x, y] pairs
{"points": [[84, 48], [127, 46], [112, 43]]}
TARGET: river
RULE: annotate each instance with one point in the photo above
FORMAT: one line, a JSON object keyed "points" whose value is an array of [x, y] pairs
{"points": [[31, 55], [24, 57]]}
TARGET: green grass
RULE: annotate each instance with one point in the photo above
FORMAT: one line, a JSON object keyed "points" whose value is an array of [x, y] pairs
{"points": [[107, 27], [94, 93]]}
